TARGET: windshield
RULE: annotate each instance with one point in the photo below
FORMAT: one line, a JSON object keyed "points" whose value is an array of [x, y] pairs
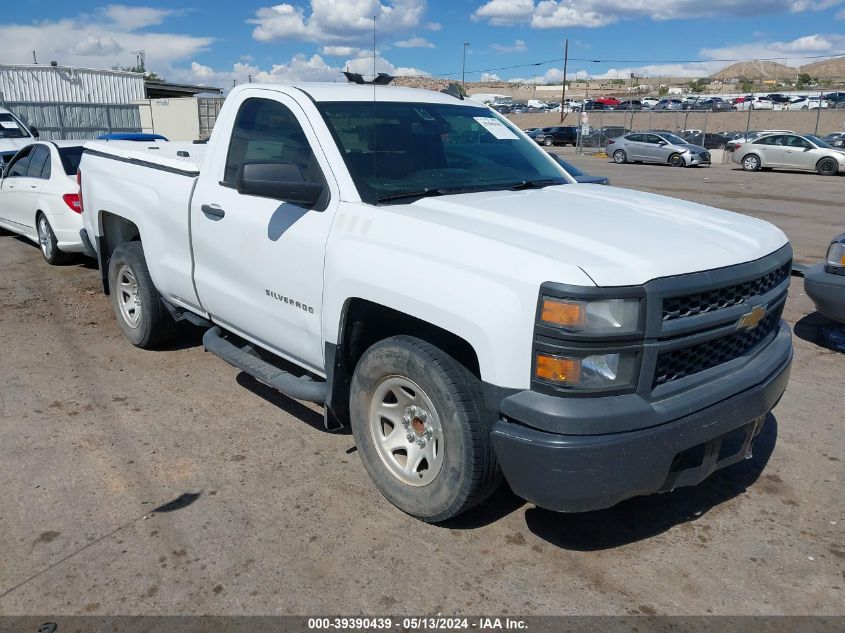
{"points": [[818, 142], [70, 159], [675, 140], [395, 150], [10, 127]]}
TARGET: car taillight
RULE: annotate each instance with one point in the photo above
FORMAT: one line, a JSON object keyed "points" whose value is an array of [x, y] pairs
{"points": [[611, 142], [79, 184], [74, 201]]}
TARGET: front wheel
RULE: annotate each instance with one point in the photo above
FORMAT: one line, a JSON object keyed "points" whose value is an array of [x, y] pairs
{"points": [[138, 307], [420, 426], [827, 167], [49, 244], [676, 160], [548, 142], [751, 162], [620, 157]]}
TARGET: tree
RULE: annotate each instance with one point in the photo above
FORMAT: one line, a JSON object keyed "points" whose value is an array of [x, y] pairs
{"points": [[699, 85], [803, 80], [663, 91], [745, 84]]}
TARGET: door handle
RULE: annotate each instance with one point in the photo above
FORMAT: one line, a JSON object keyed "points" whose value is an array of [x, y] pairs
{"points": [[213, 211], [33, 186]]}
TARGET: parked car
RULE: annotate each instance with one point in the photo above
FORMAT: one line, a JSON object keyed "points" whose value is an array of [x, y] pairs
{"points": [[711, 140], [39, 198], [649, 102], [776, 98], [598, 137], [824, 283], [790, 151], [837, 102], [558, 135], [806, 103], [630, 104], [669, 104], [609, 102], [754, 103], [837, 140], [715, 104], [5, 157], [579, 175], [594, 105], [574, 372], [141, 137], [14, 133], [654, 147], [747, 137]]}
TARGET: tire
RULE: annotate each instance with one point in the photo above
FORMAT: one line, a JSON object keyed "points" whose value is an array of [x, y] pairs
{"points": [[620, 157], [138, 307], [751, 162], [438, 401], [676, 160], [548, 142], [49, 244], [827, 167]]}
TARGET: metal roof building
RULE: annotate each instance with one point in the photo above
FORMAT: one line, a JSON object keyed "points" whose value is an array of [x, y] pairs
{"points": [[67, 84]]}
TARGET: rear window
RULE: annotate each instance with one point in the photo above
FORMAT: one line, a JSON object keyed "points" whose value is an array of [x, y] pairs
{"points": [[70, 159]]}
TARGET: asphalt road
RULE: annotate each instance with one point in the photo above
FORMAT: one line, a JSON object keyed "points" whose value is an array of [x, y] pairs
{"points": [[260, 511]]}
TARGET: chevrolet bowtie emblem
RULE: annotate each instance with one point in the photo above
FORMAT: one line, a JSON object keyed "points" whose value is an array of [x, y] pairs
{"points": [[752, 319]]}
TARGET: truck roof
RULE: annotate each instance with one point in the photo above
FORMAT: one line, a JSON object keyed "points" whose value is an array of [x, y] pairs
{"points": [[327, 91]]}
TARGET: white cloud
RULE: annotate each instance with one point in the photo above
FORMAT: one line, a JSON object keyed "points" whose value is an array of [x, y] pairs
{"points": [[364, 65], [789, 53], [434, 26], [517, 47], [94, 46], [135, 18], [336, 21], [489, 77], [340, 51], [414, 42], [595, 13]]}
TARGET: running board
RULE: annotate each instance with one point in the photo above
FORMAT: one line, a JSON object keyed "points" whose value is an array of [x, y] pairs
{"points": [[279, 379]]}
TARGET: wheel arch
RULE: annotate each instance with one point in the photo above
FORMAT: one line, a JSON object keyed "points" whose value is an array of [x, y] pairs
{"points": [[364, 323], [114, 231]]}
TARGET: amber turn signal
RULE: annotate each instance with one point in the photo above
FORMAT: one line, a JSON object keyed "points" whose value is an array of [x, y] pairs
{"points": [[563, 313], [558, 369]]}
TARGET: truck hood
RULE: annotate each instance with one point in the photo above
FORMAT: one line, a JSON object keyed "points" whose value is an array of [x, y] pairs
{"points": [[618, 237], [14, 144]]}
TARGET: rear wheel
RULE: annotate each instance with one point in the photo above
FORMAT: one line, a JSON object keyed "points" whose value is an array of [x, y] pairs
{"points": [[676, 160], [48, 242], [751, 162], [620, 157], [420, 426], [827, 167], [138, 307]]}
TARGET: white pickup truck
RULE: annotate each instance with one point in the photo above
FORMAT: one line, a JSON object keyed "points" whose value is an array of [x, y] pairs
{"points": [[14, 135], [419, 266]]}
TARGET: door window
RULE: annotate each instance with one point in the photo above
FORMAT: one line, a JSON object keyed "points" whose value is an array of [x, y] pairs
{"points": [[652, 139], [267, 131], [38, 163], [798, 142], [18, 168], [635, 138]]}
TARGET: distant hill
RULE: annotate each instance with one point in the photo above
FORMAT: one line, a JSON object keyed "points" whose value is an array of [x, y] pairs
{"points": [[755, 69], [827, 69]]}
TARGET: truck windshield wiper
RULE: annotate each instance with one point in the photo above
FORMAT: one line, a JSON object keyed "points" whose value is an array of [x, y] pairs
{"points": [[537, 184], [401, 195]]}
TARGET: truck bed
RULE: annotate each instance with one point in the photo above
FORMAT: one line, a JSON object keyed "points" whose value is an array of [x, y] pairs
{"points": [[181, 156]]}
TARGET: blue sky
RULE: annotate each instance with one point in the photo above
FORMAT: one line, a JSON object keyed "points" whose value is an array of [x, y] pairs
{"points": [[218, 41]]}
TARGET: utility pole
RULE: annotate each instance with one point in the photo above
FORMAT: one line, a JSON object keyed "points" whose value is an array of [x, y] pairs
{"points": [[563, 88], [34, 58], [464, 66]]}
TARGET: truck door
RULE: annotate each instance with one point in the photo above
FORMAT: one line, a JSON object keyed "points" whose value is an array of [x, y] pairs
{"points": [[259, 260]]}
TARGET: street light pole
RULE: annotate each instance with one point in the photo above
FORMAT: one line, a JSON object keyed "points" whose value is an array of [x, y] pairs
{"points": [[563, 88], [464, 66]]}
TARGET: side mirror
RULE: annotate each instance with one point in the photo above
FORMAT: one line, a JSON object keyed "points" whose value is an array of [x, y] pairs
{"points": [[34, 131], [662, 143], [282, 181]]}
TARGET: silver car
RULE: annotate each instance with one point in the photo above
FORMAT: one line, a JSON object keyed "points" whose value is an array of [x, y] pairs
{"points": [[656, 147], [790, 151]]}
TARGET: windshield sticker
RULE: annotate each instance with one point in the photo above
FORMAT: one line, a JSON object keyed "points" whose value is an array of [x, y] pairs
{"points": [[9, 125], [495, 127]]}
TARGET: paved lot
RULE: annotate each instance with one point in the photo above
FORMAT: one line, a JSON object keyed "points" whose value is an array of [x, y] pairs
{"points": [[279, 516]]}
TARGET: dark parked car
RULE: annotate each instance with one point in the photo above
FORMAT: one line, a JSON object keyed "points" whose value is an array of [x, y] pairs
{"points": [[711, 140], [716, 104], [778, 98], [594, 105], [579, 175], [600, 136], [558, 135], [837, 139], [630, 104]]}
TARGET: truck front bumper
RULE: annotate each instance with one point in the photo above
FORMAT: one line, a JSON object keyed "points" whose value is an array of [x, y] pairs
{"points": [[580, 473], [827, 291]]}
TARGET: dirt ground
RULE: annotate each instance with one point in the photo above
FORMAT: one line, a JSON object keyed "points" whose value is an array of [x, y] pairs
{"points": [[270, 514]]}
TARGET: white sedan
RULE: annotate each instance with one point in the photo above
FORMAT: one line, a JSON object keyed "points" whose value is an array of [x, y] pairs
{"points": [[39, 197], [806, 103], [755, 103]]}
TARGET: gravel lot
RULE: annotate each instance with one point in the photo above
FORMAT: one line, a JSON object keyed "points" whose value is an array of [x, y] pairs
{"points": [[278, 515]]}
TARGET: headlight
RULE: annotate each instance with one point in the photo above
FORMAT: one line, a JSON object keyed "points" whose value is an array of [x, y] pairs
{"points": [[593, 317], [597, 371], [835, 261]]}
